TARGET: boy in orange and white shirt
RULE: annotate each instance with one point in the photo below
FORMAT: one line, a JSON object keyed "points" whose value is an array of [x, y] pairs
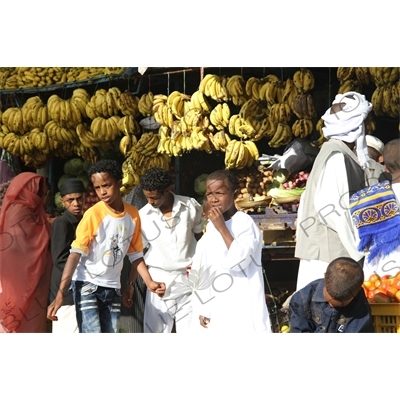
{"points": [[108, 231]]}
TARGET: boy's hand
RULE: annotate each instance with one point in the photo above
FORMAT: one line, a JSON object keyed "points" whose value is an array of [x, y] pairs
{"points": [[204, 321], [157, 287], [54, 306], [127, 296]]}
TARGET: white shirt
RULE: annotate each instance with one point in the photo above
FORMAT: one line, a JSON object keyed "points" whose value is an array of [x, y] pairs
{"points": [[170, 241]]}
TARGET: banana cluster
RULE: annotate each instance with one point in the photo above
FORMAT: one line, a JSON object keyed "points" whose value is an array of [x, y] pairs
{"points": [[353, 78], [252, 122], [199, 102], [386, 100], [281, 112], [269, 105], [86, 136], [80, 98], [162, 113], [191, 119], [303, 80], [104, 103], [196, 140], [319, 138], [64, 123], [145, 104], [282, 136], [248, 123], [130, 177], [220, 140], [128, 125], [12, 119], [302, 128], [128, 104], [303, 106], [350, 85], [236, 86], [59, 135], [220, 115], [147, 144], [64, 112], [32, 147], [140, 155], [257, 88], [240, 154], [105, 129], [214, 86], [384, 75], [127, 144], [185, 122], [34, 113], [179, 104], [28, 77], [242, 128]]}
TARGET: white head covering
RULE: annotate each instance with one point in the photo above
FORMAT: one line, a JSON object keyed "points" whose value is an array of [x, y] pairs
{"points": [[348, 123], [375, 143]]}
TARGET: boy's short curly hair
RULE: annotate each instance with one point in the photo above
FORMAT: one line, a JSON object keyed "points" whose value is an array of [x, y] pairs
{"points": [[225, 174], [155, 179], [343, 278], [109, 166]]}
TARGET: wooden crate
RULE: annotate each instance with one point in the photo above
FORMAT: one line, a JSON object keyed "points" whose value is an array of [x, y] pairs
{"points": [[386, 317]]}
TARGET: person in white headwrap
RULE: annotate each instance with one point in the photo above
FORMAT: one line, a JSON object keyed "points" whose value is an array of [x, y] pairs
{"points": [[324, 226], [375, 148], [376, 171]]}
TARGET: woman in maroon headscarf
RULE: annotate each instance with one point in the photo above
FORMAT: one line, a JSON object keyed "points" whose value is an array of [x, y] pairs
{"points": [[25, 257]]}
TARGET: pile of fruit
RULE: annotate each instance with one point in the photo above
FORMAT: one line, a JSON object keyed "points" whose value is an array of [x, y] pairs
{"points": [[29, 77], [287, 186], [254, 182], [225, 114], [382, 289], [385, 98]]}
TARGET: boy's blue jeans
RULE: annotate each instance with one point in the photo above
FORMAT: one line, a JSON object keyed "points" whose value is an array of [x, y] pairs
{"points": [[98, 308]]}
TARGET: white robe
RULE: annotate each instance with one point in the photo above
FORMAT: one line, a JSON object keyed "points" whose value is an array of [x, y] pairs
{"points": [[230, 286], [332, 188]]}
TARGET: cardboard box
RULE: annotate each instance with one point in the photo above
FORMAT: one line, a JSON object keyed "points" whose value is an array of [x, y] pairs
{"points": [[278, 236]]}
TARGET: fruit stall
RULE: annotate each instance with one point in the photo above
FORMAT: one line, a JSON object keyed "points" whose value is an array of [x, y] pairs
{"points": [[191, 121]]}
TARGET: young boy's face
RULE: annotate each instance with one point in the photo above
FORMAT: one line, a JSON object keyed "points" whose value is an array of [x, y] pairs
{"points": [[73, 202], [155, 198], [107, 188], [220, 195], [336, 303]]}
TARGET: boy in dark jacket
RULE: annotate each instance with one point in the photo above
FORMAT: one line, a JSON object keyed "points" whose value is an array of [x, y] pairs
{"points": [[335, 304], [72, 192]]}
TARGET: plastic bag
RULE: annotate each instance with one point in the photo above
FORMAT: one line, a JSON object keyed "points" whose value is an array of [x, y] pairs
{"points": [[296, 157]]}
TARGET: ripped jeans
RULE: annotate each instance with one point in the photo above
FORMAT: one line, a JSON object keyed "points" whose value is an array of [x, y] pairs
{"points": [[98, 308]]}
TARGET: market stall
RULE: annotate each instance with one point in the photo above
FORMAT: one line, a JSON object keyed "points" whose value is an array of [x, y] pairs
{"points": [[262, 123]]}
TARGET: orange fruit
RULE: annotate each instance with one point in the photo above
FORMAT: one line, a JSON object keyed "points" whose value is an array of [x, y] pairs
{"points": [[391, 291], [374, 277]]}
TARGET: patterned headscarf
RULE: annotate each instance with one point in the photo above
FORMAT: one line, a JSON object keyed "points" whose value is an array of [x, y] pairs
{"points": [[376, 216]]}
